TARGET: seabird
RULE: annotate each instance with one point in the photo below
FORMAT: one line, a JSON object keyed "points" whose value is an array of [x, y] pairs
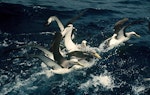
{"points": [[77, 49], [62, 61], [60, 25], [119, 36], [67, 32], [63, 30], [59, 61]]}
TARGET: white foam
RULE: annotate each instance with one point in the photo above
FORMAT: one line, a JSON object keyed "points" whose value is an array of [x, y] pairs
{"points": [[4, 42], [17, 84], [138, 90], [103, 80]]}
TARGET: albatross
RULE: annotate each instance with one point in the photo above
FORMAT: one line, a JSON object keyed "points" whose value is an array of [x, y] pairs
{"points": [[62, 61], [77, 49], [63, 30], [59, 61], [120, 35], [66, 32]]}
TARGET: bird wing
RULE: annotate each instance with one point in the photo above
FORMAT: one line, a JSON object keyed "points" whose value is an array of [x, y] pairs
{"points": [[49, 62], [133, 23], [118, 27]]}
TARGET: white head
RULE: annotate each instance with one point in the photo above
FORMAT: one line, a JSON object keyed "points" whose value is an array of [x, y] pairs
{"points": [[71, 26], [83, 44], [129, 34], [95, 54], [50, 19]]}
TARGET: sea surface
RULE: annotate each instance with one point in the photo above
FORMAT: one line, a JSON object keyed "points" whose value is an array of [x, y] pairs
{"points": [[121, 71]]}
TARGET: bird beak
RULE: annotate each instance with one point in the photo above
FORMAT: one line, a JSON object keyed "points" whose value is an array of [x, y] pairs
{"points": [[137, 35], [97, 56], [74, 29], [80, 64], [146, 79]]}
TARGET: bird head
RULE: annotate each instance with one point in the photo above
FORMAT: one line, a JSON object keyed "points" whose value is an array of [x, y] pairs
{"points": [[76, 62], [95, 54], [72, 27], [83, 43], [133, 34], [50, 19]]}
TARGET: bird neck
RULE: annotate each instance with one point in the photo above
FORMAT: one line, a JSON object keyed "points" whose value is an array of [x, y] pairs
{"points": [[129, 34], [59, 23], [68, 41]]}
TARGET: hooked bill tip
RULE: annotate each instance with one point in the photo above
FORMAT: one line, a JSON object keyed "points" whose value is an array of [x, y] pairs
{"points": [[98, 56]]}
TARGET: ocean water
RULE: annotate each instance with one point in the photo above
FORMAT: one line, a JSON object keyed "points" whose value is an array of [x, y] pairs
{"points": [[122, 71]]}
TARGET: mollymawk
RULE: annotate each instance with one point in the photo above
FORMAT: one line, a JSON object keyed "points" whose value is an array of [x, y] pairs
{"points": [[59, 61], [60, 25], [119, 36], [77, 49], [68, 29], [67, 34], [62, 61], [63, 31]]}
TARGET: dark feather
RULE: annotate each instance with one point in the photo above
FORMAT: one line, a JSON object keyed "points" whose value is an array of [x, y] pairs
{"points": [[118, 25]]}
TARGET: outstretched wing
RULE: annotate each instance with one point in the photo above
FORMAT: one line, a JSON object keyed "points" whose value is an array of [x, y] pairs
{"points": [[118, 27], [49, 62], [133, 23]]}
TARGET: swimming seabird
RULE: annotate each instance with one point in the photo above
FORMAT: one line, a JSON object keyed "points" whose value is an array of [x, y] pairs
{"points": [[67, 32], [77, 49], [58, 58], [63, 30], [62, 61], [119, 36], [60, 25]]}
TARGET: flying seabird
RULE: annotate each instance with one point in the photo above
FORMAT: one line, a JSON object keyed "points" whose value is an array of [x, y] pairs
{"points": [[119, 36]]}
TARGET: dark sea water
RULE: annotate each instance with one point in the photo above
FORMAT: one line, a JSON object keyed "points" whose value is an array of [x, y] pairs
{"points": [[121, 71]]}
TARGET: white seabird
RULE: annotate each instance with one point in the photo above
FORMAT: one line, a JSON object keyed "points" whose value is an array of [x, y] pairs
{"points": [[77, 49], [59, 61], [119, 36], [60, 25]]}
